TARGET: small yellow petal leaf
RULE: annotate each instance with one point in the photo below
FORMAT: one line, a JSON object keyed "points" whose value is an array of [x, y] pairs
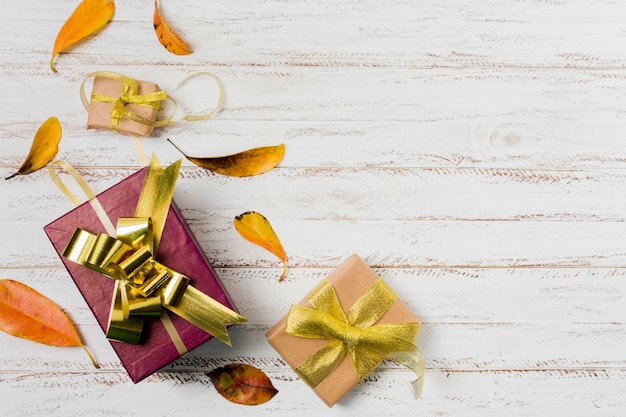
{"points": [[45, 146], [255, 228]]}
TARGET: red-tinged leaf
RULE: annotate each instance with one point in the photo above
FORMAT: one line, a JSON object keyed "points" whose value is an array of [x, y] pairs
{"points": [[166, 35], [30, 315], [243, 384]]}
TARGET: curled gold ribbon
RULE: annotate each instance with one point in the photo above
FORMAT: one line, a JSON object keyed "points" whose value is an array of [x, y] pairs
{"points": [[354, 334], [143, 285], [130, 95]]}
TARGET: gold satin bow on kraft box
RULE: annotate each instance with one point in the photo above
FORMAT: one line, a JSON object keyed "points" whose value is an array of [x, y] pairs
{"points": [[122, 104], [343, 330], [149, 257]]}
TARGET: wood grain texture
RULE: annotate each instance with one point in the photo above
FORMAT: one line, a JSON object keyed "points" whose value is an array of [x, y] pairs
{"points": [[472, 153]]}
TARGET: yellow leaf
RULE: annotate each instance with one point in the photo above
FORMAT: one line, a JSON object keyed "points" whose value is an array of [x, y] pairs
{"points": [[89, 16], [30, 315], [255, 228], [45, 146], [243, 384], [243, 164], [166, 35]]}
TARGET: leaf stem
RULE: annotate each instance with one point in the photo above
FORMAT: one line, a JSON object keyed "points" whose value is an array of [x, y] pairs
{"points": [[93, 361], [177, 148]]}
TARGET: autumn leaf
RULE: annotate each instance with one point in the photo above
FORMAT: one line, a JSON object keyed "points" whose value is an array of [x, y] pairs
{"points": [[166, 35], [28, 314], [243, 384], [243, 164], [45, 146], [255, 228], [88, 17]]}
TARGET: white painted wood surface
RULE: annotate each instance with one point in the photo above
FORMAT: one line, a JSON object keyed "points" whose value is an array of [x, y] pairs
{"points": [[472, 153]]}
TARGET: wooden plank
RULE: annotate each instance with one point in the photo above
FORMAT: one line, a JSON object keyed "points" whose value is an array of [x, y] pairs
{"points": [[321, 144], [349, 194], [437, 295], [384, 243], [394, 34], [549, 345], [470, 393], [548, 96]]}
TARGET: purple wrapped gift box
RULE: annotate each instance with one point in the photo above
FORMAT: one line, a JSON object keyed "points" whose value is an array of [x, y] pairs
{"points": [[178, 249]]}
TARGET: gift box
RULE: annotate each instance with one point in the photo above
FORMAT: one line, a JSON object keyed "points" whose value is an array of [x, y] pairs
{"points": [[116, 101], [353, 282], [178, 249]]}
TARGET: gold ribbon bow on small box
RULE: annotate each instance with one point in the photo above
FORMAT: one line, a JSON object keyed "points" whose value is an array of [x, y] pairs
{"points": [[355, 334], [143, 285], [130, 96]]}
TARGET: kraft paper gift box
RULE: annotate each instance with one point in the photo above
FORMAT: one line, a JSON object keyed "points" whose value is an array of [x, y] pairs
{"points": [[350, 281], [178, 250], [99, 116]]}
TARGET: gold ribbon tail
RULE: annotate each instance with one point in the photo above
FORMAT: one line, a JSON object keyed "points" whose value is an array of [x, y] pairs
{"points": [[195, 117], [206, 313], [156, 195], [91, 196], [414, 361]]}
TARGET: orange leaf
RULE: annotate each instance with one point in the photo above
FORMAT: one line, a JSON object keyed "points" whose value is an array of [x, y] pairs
{"points": [[243, 164], [243, 384], [166, 35], [45, 145], [89, 16], [28, 314], [255, 228]]}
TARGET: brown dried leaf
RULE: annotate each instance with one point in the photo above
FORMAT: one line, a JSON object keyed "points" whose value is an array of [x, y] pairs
{"points": [[255, 228], [45, 146], [243, 164], [30, 315], [243, 384], [166, 35], [87, 18]]}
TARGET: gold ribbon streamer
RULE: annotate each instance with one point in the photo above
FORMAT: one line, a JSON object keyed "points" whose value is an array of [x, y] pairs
{"points": [[354, 334], [153, 100], [91, 197], [143, 285]]}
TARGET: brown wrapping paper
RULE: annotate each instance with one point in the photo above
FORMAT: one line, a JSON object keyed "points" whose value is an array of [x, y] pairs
{"points": [[350, 280], [99, 116]]}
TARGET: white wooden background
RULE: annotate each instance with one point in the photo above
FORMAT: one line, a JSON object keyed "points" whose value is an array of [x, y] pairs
{"points": [[473, 153]]}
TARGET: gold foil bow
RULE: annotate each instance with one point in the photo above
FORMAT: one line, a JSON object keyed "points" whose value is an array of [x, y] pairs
{"points": [[354, 334], [143, 285]]}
